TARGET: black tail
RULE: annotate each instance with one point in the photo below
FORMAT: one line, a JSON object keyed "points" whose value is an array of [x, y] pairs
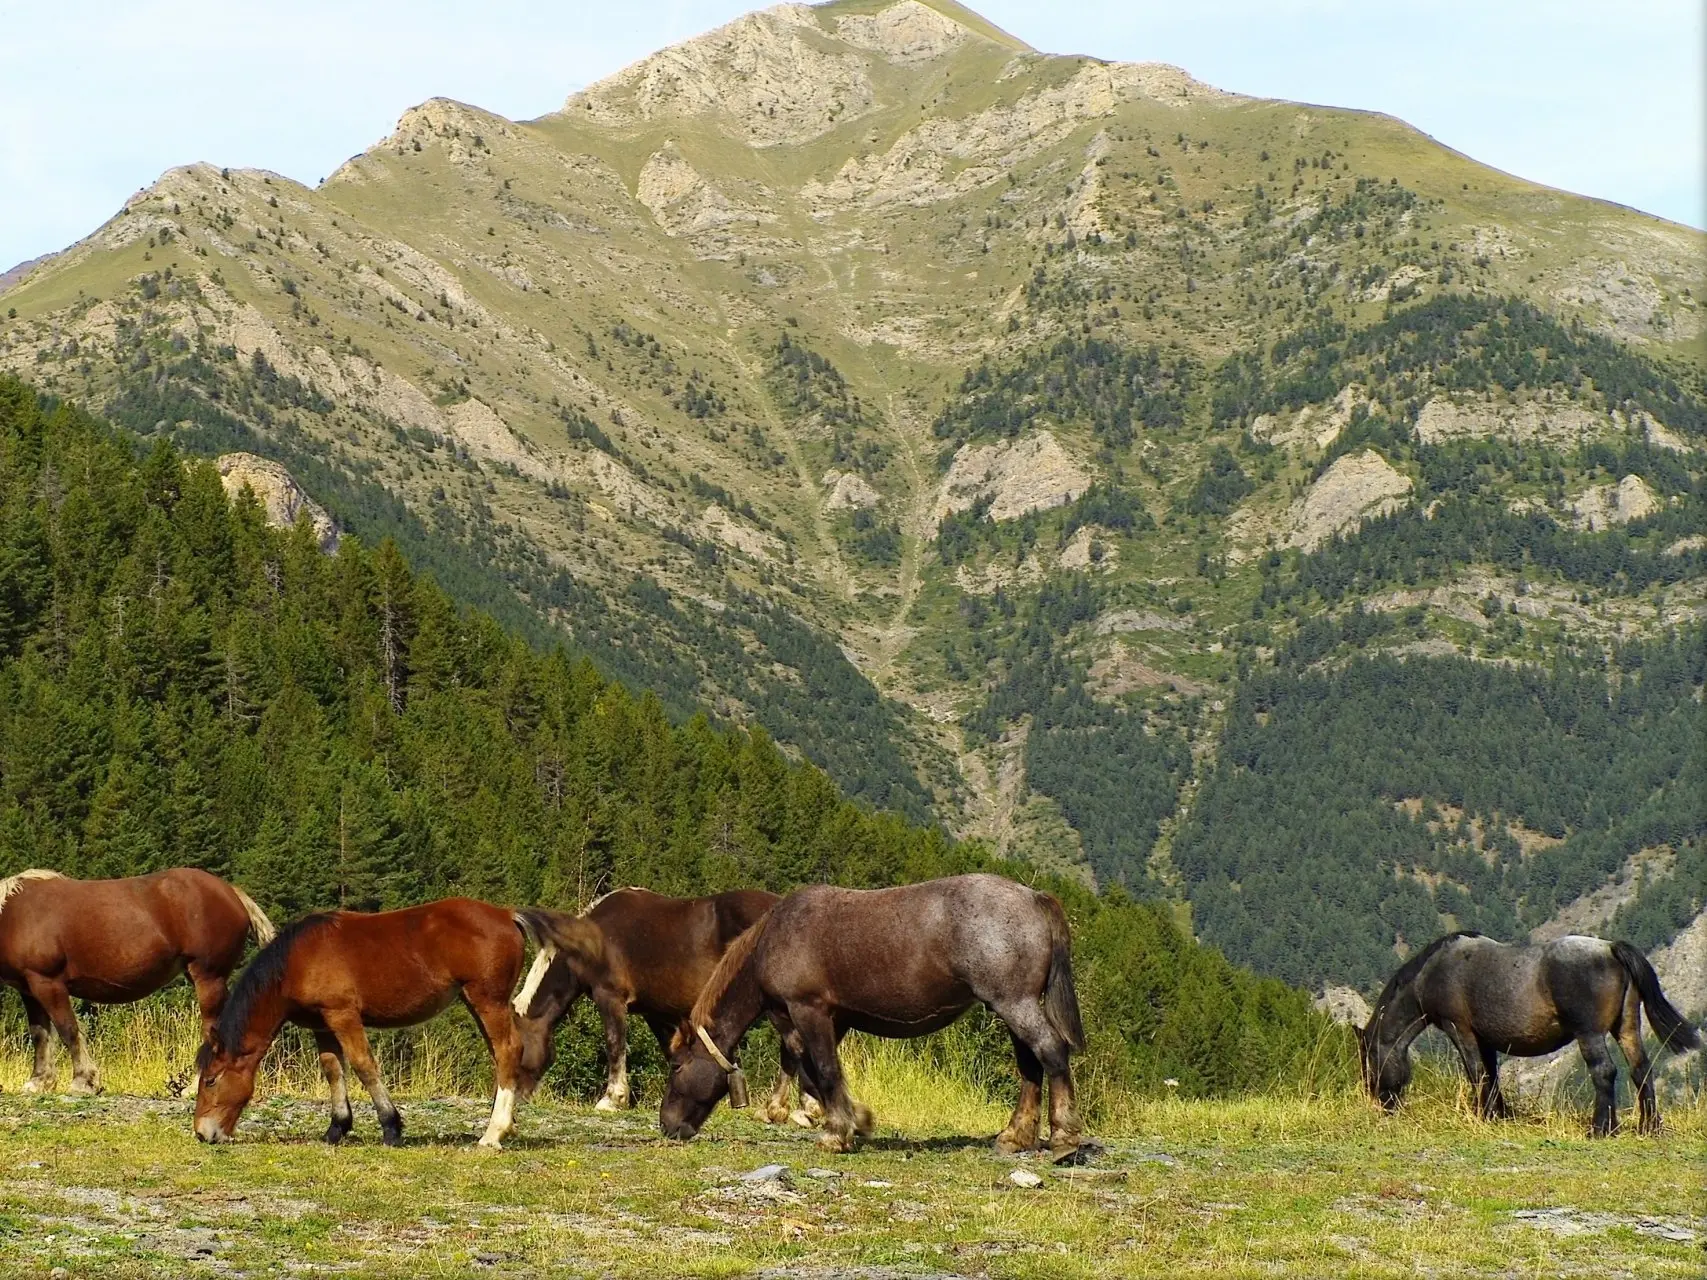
{"points": [[1060, 997], [1669, 1025]]}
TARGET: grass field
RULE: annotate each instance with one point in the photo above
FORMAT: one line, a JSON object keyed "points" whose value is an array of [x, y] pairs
{"points": [[116, 1186]]}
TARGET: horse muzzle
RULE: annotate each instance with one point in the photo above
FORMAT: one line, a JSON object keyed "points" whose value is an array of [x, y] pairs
{"points": [[208, 1130]]}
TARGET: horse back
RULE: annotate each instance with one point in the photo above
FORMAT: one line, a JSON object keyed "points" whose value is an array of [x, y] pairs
{"points": [[912, 951], [121, 939], [660, 950], [401, 967]]}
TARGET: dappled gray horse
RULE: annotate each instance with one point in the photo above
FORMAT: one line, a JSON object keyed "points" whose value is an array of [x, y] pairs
{"points": [[1490, 998], [898, 962]]}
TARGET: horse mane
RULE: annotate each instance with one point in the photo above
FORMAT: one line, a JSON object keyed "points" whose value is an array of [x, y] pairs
{"points": [[734, 959], [11, 884], [1407, 972], [265, 972]]}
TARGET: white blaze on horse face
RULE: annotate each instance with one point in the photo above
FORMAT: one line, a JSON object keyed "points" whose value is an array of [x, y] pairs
{"points": [[536, 975], [503, 1119]]}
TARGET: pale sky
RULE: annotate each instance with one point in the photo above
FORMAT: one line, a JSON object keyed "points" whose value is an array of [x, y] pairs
{"points": [[1602, 97]]}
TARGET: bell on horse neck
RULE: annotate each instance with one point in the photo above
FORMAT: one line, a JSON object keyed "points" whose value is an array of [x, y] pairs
{"points": [[738, 1089]]}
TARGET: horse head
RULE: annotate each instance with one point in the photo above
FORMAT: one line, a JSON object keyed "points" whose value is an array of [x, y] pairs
{"points": [[698, 1082], [226, 1082], [1384, 1055]]}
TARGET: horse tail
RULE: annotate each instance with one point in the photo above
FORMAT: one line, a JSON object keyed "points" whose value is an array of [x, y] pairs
{"points": [[553, 932], [11, 884], [1060, 997], [259, 925], [1669, 1025]]}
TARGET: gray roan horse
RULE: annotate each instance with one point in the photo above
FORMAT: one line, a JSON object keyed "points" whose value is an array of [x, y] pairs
{"points": [[1490, 998], [899, 962]]}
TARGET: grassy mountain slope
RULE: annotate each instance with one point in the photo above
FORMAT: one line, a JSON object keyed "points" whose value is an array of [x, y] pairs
{"points": [[981, 421]]}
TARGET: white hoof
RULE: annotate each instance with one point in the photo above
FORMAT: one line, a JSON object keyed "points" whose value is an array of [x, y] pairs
{"points": [[801, 1118], [607, 1103], [34, 1085], [489, 1143]]}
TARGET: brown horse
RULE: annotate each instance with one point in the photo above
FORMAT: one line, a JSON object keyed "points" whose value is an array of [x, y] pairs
{"points": [[338, 973], [115, 941], [658, 952], [900, 963]]}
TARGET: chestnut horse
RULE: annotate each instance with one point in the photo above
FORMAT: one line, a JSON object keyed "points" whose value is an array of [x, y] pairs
{"points": [[658, 952], [342, 971], [899, 962], [115, 941], [1490, 998]]}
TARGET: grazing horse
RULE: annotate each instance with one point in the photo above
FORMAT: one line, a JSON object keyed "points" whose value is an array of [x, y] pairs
{"points": [[658, 953], [900, 963], [1490, 998], [342, 971], [115, 941]]}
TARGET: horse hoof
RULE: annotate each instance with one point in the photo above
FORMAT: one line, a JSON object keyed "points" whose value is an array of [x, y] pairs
{"points": [[87, 1088], [607, 1103], [835, 1143], [801, 1118], [489, 1144], [1011, 1145], [38, 1086]]}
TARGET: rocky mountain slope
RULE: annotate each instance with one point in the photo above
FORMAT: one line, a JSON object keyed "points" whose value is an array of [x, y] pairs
{"points": [[990, 425]]}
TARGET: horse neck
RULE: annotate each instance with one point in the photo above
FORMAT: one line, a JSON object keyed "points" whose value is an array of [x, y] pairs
{"points": [[737, 1009], [1399, 1020], [266, 1016]]}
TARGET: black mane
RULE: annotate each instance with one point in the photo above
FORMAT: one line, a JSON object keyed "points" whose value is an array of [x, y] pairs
{"points": [[264, 973], [1408, 971]]}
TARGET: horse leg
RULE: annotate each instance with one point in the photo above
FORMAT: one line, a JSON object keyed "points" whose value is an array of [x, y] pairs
{"points": [[56, 1001], [41, 1038], [1021, 1133], [818, 1039], [332, 1065], [210, 994], [1629, 1033], [613, 1009], [1470, 1054], [1604, 1072], [346, 1025], [1493, 1098], [1028, 1026], [497, 1022]]}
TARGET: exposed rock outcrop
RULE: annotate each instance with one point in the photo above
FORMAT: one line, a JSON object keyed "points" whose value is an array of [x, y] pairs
{"points": [[1562, 423], [1355, 488], [1032, 473], [1344, 1005], [848, 490], [281, 497], [1605, 505]]}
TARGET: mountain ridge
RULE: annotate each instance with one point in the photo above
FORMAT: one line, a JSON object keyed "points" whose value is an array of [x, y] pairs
{"points": [[851, 363]]}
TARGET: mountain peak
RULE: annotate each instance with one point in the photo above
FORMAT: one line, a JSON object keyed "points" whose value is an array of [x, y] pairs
{"points": [[788, 73]]}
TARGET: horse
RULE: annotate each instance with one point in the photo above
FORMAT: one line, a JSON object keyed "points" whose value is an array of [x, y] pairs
{"points": [[1490, 998], [113, 942], [898, 963], [658, 953], [339, 972]]}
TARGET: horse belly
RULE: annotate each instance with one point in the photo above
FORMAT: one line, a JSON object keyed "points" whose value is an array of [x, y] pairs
{"points": [[892, 1028], [383, 1012], [121, 978]]}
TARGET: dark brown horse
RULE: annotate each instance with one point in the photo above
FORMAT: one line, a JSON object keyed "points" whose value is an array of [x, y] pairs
{"points": [[343, 971], [900, 963], [1490, 998], [115, 941], [658, 952]]}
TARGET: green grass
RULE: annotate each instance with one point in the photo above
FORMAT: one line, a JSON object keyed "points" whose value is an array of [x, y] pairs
{"points": [[116, 1186]]}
